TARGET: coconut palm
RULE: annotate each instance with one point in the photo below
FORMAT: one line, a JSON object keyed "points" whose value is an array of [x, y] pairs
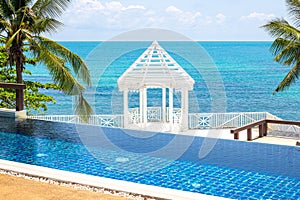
{"points": [[22, 24], [286, 47]]}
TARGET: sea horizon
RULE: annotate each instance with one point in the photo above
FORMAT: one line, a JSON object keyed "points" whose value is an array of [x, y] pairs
{"points": [[168, 40], [247, 69]]}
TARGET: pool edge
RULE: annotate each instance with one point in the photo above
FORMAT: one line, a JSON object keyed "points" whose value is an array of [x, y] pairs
{"points": [[101, 182]]}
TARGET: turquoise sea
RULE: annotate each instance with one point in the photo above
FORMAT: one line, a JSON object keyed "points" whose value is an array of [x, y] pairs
{"points": [[247, 70]]}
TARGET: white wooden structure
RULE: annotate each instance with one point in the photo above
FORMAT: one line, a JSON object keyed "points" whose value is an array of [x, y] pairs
{"points": [[155, 68], [197, 121]]}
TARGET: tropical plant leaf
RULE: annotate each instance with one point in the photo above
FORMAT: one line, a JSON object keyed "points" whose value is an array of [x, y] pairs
{"points": [[22, 23], [82, 108], [53, 8], [17, 4], [286, 46], [60, 73], [12, 38], [281, 28], [286, 52], [293, 7], [46, 25], [79, 66], [289, 79], [5, 9]]}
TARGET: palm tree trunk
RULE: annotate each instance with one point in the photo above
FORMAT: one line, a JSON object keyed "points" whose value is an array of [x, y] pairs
{"points": [[19, 68]]}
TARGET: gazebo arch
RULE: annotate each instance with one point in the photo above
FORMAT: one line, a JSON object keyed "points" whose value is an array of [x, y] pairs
{"points": [[155, 68]]}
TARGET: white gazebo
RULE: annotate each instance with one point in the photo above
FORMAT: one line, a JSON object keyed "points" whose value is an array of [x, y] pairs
{"points": [[155, 68]]}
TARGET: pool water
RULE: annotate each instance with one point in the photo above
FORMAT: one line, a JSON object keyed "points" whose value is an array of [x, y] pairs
{"points": [[233, 169]]}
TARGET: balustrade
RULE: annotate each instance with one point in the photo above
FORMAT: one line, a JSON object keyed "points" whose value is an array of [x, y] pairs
{"points": [[195, 120]]}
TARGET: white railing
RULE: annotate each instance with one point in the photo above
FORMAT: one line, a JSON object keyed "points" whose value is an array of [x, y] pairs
{"points": [[223, 120], [101, 120], [134, 115], [282, 130], [196, 120], [57, 118], [154, 114]]}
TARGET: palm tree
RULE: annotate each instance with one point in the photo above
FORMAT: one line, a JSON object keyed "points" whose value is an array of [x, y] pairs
{"points": [[22, 23], [286, 47]]}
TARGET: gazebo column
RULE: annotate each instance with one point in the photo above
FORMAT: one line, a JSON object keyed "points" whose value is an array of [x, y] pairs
{"points": [[125, 108], [184, 109], [171, 108], [145, 112], [163, 105], [141, 104]]}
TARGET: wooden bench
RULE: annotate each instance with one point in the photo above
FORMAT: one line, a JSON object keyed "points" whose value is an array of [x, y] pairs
{"points": [[262, 127]]}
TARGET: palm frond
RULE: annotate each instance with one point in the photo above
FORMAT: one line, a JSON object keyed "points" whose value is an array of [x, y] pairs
{"points": [[28, 15], [293, 7], [290, 78], [5, 10], [4, 25], [281, 28], [79, 66], [52, 9], [278, 45], [11, 6], [46, 25], [22, 22], [286, 52], [82, 108], [61, 74], [12, 38], [63, 77]]}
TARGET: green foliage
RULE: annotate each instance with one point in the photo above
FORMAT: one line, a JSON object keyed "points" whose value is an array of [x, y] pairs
{"points": [[34, 99], [286, 47], [22, 24]]}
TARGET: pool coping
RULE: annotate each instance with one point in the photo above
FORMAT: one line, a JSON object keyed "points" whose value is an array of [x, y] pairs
{"points": [[101, 182]]}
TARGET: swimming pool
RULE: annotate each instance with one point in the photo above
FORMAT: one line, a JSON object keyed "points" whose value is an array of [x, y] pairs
{"points": [[233, 169]]}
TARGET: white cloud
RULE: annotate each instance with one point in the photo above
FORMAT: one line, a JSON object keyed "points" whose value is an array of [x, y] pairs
{"points": [[116, 17], [134, 7], [114, 6], [173, 9], [220, 18], [258, 16], [182, 17], [117, 6], [86, 5], [110, 14]]}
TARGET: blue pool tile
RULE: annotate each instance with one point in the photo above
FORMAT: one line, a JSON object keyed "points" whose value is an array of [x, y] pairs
{"points": [[248, 171]]}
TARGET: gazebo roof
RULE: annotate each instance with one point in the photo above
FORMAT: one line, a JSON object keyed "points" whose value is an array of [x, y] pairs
{"points": [[155, 68]]}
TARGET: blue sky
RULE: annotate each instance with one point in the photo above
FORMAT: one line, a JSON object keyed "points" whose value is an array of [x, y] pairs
{"points": [[202, 20]]}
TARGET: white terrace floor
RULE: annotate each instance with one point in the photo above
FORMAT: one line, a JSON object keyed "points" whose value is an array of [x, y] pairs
{"points": [[222, 134], [225, 134]]}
